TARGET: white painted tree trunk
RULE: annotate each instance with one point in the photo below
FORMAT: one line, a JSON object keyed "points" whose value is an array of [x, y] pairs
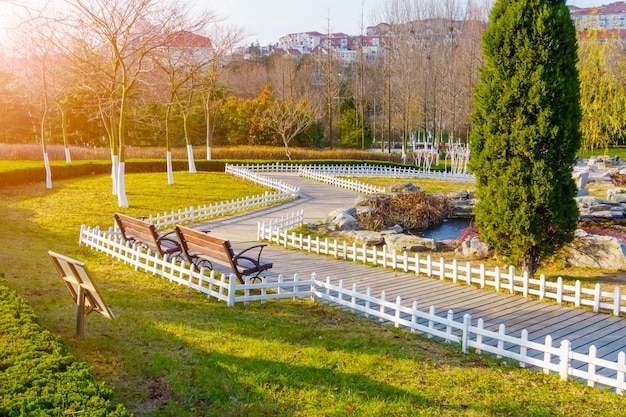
{"points": [[208, 153], [115, 162], [122, 201], [192, 162], [46, 162], [68, 157], [170, 173]]}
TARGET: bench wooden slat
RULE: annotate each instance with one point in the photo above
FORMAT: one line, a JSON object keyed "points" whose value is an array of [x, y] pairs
{"points": [[200, 249], [135, 230]]}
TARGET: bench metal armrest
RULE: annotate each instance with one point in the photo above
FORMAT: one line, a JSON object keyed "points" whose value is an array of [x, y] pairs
{"points": [[257, 261]]}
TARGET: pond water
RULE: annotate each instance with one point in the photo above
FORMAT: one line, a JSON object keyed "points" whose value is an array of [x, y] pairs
{"points": [[448, 230]]}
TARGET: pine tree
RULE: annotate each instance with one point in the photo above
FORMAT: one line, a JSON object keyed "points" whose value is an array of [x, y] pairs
{"points": [[526, 130]]}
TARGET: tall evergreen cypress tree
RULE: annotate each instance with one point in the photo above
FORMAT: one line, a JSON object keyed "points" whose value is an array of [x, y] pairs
{"points": [[526, 133]]}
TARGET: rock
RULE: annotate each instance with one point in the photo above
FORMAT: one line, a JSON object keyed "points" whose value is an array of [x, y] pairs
{"points": [[474, 247], [409, 243], [363, 210], [459, 195], [463, 209], [608, 215], [402, 188], [581, 178], [394, 229], [593, 251], [335, 213], [616, 196], [344, 221], [362, 201], [366, 237]]}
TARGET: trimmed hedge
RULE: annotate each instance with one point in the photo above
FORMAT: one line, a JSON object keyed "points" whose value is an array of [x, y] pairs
{"points": [[62, 171], [38, 377]]}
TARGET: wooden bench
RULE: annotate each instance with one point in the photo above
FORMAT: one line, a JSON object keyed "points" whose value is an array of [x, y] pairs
{"points": [[201, 249], [139, 231]]}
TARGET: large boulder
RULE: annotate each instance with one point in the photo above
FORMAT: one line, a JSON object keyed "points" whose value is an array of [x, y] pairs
{"points": [[594, 251], [473, 247], [366, 237], [409, 243]]}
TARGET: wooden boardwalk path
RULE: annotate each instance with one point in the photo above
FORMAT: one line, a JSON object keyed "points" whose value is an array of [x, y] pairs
{"points": [[582, 328]]}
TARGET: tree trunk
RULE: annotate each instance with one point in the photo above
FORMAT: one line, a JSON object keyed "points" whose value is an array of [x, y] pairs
{"points": [[170, 174], [122, 201], [115, 162], [191, 161], [46, 162]]}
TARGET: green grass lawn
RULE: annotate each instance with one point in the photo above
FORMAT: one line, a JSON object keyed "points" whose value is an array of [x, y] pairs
{"points": [[173, 352]]}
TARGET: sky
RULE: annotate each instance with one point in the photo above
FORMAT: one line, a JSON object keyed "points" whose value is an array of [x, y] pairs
{"points": [[266, 21]]}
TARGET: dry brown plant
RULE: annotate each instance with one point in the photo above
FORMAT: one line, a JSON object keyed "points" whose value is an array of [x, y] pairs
{"points": [[411, 210]]}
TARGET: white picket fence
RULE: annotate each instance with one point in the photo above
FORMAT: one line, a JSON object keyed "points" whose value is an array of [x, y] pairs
{"points": [[284, 193], [251, 175], [458, 272], [223, 287], [361, 170], [561, 359], [340, 182], [265, 230]]}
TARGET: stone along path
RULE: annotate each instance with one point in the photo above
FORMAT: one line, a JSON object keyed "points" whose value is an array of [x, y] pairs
{"points": [[582, 328]]}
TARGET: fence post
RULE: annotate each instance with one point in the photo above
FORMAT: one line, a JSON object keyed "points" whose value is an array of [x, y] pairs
{"points": [[591, 369], [547, 356], [617, 299], [414, 313], [596, 298], [566, 348], [479, 336], [455, 272], [397, 315], [522, 348], [497, 278], [512, 279], [467, 324], [382, 307], [502, 332], [431, 324], [313, 285], [232, 283], [368, 296], [621, 360], [442, 269]]}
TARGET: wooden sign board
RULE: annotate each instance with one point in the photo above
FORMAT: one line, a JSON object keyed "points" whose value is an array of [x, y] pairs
{"points": [[82, 288]]}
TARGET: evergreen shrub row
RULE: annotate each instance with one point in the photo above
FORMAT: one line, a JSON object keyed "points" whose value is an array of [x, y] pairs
{"points": [[38, 377]]}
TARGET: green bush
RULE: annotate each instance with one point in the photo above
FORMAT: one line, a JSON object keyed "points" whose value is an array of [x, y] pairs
{"points": [[38, 377]]}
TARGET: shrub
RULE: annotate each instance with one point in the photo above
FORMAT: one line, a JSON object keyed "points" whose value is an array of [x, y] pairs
{"points": [[38, 377]]}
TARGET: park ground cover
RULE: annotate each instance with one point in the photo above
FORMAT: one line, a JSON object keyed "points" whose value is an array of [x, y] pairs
{"points": [[172, 351]]}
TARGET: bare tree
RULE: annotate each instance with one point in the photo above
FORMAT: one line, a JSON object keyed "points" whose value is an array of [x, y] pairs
{"points": [[125, 34], [288, 119], [183, 57], [35, 37], [224, 38]]}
